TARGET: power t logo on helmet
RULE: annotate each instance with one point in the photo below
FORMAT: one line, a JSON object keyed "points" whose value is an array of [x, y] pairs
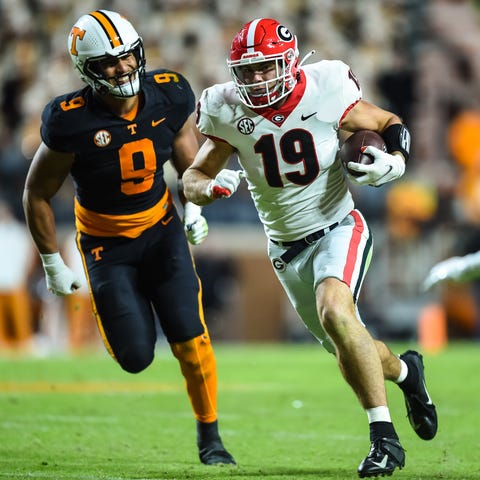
{"points": [[263, 62], [104, 38]]}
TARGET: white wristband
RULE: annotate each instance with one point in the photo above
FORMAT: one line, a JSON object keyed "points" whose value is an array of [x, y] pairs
{"points": [[51, 259], [191, 210]]}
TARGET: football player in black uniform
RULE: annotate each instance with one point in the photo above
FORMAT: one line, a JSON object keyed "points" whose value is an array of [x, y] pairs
{"points": [[113, 137]]}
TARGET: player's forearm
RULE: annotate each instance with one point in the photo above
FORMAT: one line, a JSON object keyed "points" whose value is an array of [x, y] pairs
{"points": [[195, 186], [41, 222]]}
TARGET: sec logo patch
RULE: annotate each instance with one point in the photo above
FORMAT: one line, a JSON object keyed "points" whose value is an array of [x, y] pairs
{"points": [[246, 126], [102, 138]]}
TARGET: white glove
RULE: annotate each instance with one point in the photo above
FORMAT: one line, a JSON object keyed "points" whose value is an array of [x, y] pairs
{"points": [[60, 279], [194, 223], [225, 183], [457, 269], [385, 168]]}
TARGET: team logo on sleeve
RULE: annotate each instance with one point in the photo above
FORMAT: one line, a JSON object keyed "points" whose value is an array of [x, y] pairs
{"points": [[246, 126], [102, 138]]}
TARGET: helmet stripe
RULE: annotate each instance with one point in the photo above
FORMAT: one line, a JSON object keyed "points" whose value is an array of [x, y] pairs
{"points": [[251, 35], [108, 27]]}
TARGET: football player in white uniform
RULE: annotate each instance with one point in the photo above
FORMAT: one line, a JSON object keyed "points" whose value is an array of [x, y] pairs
{"points": [[282, 120]]}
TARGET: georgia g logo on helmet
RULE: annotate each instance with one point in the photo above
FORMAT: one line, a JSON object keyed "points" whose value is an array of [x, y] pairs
{"points": [[284, 33]]}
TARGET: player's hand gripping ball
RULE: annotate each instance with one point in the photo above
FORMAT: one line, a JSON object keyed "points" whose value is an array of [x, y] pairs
{"points": [[351, 150]]}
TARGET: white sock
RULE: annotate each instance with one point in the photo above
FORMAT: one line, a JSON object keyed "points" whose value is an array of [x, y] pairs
{"points": [[378, 414], [403, 372]]}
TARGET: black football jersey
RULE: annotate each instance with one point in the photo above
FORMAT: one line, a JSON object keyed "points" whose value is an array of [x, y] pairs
{"points": [[118, 165]]}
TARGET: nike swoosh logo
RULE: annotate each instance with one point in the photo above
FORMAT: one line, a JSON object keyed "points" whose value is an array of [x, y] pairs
{"points": [[158, 122], [390, 168], [306, 117], [429, 401], [167, 220], [383, 463]]}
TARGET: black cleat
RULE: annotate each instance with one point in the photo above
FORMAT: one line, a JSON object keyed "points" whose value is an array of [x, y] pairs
{"points": [[421, 411], [214, 453], [385, 455]]}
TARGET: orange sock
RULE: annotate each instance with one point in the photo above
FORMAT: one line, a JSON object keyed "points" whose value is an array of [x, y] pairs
{"points": [[198, 365]]}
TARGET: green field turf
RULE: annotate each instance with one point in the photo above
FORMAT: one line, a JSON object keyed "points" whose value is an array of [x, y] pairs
{"points": [[285, 413]]}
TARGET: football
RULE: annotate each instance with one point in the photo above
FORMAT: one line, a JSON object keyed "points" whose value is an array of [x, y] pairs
{"points": [[350, 150]]}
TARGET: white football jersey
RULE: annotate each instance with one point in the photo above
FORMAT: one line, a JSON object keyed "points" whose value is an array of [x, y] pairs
{"points": [[289, 154]]}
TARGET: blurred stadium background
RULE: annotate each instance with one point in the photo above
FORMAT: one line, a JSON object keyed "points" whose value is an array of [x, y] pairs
{"points": [[419, 58]]}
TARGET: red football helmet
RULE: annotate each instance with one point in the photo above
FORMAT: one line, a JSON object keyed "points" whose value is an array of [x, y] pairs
{"points": [[264, 41]]}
